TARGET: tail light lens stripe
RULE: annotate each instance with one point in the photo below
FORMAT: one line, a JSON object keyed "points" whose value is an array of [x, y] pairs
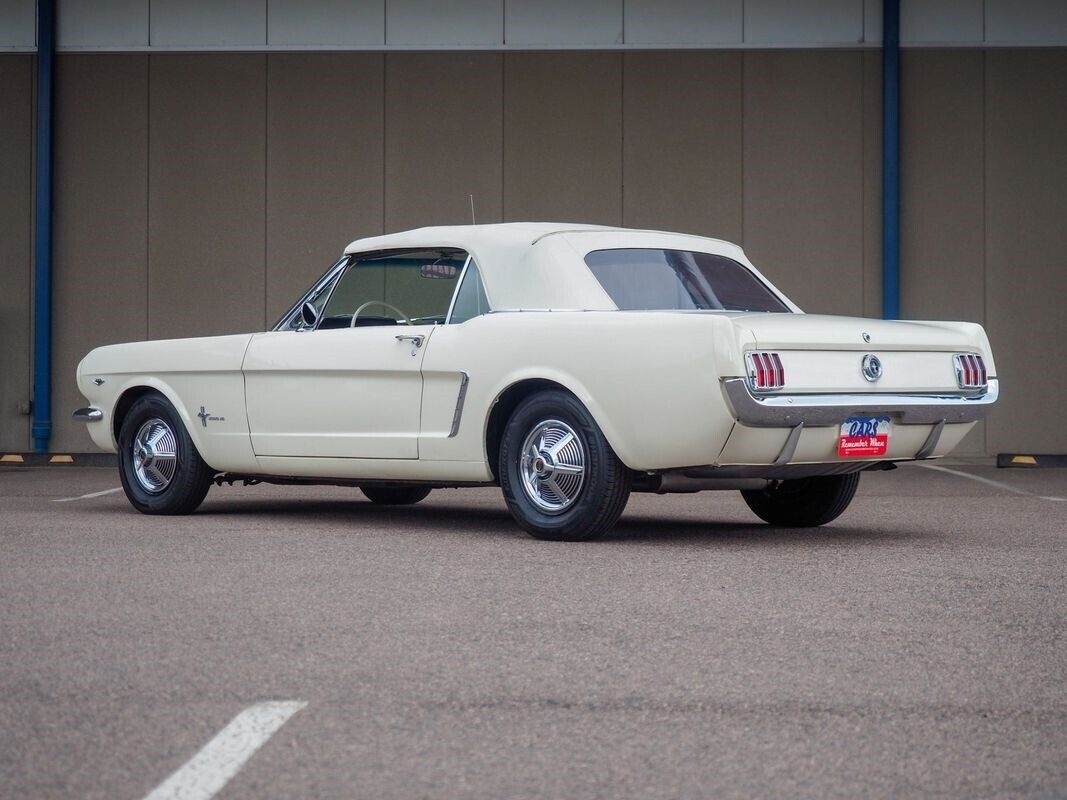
{"points": [[970, 371], [766, 371], [779, 373]]}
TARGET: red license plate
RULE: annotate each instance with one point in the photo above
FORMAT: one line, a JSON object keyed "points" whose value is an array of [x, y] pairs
{"points": [[863, 437]]}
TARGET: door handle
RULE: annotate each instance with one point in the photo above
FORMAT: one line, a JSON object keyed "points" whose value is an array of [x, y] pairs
{"points": [[415, 339]]}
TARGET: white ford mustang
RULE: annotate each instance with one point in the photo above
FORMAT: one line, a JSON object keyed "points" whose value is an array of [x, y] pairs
{"points": [[570, 364]]}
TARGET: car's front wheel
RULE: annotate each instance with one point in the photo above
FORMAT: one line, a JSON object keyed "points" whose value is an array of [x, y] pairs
{"points": [[160, 468], [560, 477], [395, 495], [803, 502]]}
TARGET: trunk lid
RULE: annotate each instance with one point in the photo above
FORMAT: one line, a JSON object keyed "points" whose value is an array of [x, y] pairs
{"points": [[823, 331], [825, 354]]}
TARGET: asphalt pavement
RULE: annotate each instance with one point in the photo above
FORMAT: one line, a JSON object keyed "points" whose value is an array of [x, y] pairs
{"points": [[916, 647]]}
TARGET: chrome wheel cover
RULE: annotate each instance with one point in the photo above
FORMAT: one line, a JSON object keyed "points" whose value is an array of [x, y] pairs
{"points": [[155, 455], [552, 466]]}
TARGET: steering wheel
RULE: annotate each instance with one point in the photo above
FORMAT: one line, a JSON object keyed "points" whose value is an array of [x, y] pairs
{"points": [[358, 311]]}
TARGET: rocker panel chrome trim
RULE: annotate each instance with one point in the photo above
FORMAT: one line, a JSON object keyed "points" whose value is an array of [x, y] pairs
{"points": [[820, 410]]}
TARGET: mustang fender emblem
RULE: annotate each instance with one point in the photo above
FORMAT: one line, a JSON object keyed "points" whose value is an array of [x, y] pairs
{"points": [[205, 417]]}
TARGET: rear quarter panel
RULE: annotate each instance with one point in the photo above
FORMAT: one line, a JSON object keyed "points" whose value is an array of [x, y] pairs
{"points": [[651, 380]]}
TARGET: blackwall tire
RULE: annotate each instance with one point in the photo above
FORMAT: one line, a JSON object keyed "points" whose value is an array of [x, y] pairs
{"points": [[160, 468], [395, 495], [549, 437], [804, 502]]}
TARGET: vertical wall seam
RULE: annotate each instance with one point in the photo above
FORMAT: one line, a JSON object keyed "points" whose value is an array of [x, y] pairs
{"points": [[743, 56], [385, 133], [863, 172], [622, 129], [503, 134], [985, 207], [31, 244], [266, 162], [148, 196]]}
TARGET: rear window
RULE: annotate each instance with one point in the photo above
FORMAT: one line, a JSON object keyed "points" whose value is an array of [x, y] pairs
{"points": [[646, 279]]}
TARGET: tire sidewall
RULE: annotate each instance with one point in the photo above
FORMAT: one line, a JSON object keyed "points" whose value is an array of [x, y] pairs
{"points": [[533, 410], [149, 406]]}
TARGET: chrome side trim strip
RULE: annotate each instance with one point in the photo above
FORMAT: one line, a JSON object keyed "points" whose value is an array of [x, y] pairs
{"points": [[814, 410], [463, 381], [88, 415], [931, 441]]}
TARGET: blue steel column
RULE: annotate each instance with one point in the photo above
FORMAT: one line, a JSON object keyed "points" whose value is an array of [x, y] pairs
{"points": [[891, 159], [42, 267]]}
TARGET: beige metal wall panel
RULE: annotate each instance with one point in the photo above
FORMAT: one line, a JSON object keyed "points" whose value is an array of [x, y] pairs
{"points": [[941, 21], [206, 194], [563, 137], [813, 22], [458, 23], [101, 220], [942, 248], [684, 22], [682, 142], [330, 23], [208, 23], [1026, 21], [102, 23], [324, 165], [16, 249], [942, 251], [872, 184], [803, 180], [1026, 245], [443, 138], [563, 23], [18, 23]]}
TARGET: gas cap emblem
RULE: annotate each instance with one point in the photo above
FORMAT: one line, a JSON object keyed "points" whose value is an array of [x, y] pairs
{"points": [[872, 367], [866, 337]]}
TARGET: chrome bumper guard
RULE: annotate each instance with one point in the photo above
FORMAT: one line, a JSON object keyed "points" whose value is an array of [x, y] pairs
{"points": [[88, 415], [821, 410]]}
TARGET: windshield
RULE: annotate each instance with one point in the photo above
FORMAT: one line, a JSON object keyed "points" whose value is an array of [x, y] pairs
{"points": [[647, 279]]}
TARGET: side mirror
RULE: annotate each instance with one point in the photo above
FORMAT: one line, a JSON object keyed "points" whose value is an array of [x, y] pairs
{"points": [[308, 315]]}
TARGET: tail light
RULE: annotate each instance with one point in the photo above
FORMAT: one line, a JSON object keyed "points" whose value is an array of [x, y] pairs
{"points": [[765, 371], [970, 371]]}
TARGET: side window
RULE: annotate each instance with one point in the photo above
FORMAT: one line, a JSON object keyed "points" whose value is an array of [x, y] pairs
{"points": [[471, 301], [396, 288]]}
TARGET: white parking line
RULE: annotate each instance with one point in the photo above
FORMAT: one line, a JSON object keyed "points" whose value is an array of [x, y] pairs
{"points": [[87, 496], [989, 482], [203, 775]]}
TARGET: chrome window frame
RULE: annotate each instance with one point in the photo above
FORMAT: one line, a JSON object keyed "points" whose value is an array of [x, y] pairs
{"points": [[331, 274], [335, 272], [459, 286]]}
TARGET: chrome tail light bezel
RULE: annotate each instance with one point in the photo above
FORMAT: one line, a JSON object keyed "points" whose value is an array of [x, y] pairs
{"points": [[970, 371], [765, 372]]}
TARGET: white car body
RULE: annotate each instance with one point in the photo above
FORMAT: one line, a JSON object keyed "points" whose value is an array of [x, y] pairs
{"points": [[669, 389]]}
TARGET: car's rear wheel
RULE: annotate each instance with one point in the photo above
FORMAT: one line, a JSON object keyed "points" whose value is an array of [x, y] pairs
{"points": [[560, 477], [160, 468], [395, 495], [803, 502]]}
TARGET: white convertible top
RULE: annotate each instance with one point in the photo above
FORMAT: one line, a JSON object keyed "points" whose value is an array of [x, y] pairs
{"points": [[540, 265]]}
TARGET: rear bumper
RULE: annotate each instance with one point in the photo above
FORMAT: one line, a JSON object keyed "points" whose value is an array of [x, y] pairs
{"points": [[816, 410]]}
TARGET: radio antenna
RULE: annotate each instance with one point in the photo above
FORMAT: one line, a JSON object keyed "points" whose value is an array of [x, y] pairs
{"points": [[473, 220]]}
